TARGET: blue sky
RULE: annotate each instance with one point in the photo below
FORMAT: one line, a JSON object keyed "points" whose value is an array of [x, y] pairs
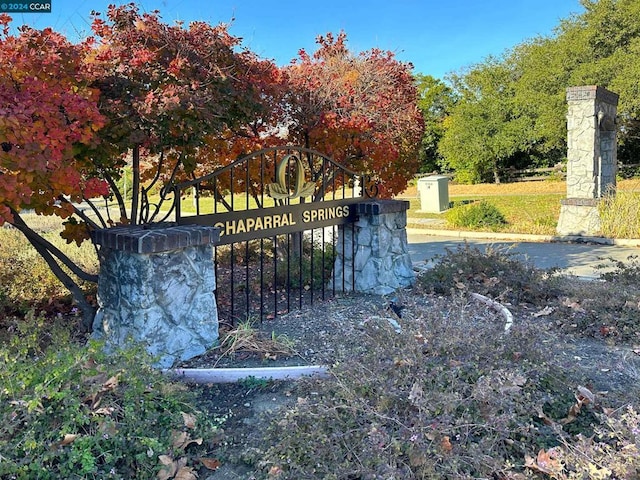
{"points": [[437, 36]]}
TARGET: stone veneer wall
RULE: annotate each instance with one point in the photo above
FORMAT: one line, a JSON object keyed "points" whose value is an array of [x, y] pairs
{"points": [[591, 135], [591, 157], [380, 257], [156, 287]]}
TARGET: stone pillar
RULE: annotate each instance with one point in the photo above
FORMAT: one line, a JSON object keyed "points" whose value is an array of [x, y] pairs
{"points": [[591, 158], [376, 250], [156, 287]]}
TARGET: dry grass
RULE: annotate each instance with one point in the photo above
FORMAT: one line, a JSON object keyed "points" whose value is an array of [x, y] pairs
{"points": [[516, 188]]}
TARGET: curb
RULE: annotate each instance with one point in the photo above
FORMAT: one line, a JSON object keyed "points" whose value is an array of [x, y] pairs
{"points": [[622, 242]]}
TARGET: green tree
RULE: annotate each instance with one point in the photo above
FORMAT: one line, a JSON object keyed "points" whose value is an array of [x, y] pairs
{"points": [[436, 99], [600, 46], [485, 130]]}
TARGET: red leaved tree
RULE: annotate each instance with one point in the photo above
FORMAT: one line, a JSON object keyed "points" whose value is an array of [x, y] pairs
{"points": [[164, 89], [360, 109], [72, 117], [48, 120]]}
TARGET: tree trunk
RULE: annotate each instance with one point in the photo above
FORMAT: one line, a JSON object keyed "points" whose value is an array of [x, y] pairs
{"points": [[135, 187], [50, 253]]}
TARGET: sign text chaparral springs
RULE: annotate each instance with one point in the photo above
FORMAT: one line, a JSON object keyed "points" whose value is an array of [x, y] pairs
{"points": [[244, 225]]}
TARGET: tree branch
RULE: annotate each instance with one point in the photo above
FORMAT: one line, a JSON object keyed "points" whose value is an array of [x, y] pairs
{"points": [[118, 195], [42, 247], [34, 238], [83, 215]]}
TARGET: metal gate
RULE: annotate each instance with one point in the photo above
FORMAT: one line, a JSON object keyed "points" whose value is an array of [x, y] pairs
{"points": [[280, 212]]}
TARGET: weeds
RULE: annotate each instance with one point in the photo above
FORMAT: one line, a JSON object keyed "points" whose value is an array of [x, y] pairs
{"points": [[246, 338], [450, 396], [620, 215], [71, 412]]}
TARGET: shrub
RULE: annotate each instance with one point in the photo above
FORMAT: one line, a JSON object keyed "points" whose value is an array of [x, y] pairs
{"points": [[450, 395], [495, 272], [312, 268], [72, 412], [480, 214]]}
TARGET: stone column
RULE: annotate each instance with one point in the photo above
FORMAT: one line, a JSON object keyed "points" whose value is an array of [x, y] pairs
{"points": [[376, 250], [156, 287], [591, 158]]}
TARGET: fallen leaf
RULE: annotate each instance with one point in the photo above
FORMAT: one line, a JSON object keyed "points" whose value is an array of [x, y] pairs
{"points": [[445, 443], [210, 463], [68, 439], [491, 282], [178, 439], [169, 468], [111, 383], [275, 471], [185, 473], [189, 420], [544, 312], [573, 305], [544, 463], [574, 411], [104, 411], [585, 395], [182, 440], [543, 416]]}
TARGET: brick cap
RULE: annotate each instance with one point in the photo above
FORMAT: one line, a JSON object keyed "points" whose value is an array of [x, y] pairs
{"points": [[155, 238], [378, 207], [592, 92]]}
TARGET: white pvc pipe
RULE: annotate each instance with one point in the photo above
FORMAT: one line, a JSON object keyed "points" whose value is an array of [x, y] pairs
{"points": [[230, 375], [508, 316]]}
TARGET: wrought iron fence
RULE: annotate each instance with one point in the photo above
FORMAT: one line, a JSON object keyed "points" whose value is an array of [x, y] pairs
{"points": [[280, 212]]}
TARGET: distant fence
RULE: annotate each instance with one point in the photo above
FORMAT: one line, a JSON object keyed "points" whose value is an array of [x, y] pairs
{"points": [[539, 174]]}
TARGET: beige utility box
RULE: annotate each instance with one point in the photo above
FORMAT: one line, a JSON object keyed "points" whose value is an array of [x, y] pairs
{"points": [[434, 193]]}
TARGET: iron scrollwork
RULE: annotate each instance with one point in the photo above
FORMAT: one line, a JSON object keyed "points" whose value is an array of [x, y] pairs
{"points": [[370, 187]]}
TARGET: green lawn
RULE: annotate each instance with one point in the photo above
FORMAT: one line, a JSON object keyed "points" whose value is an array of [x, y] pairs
{"points": [[525, 213]]}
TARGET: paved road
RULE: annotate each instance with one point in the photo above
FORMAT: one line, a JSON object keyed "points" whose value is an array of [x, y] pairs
{"points": [[573, 258]]}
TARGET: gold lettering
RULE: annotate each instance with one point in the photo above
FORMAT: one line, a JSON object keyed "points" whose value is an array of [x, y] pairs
{"points": [[267, 223], [241, 227], [251, 223], [276, 221], [230, 227], [305, 216], [259, 223], [345, 210]]}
